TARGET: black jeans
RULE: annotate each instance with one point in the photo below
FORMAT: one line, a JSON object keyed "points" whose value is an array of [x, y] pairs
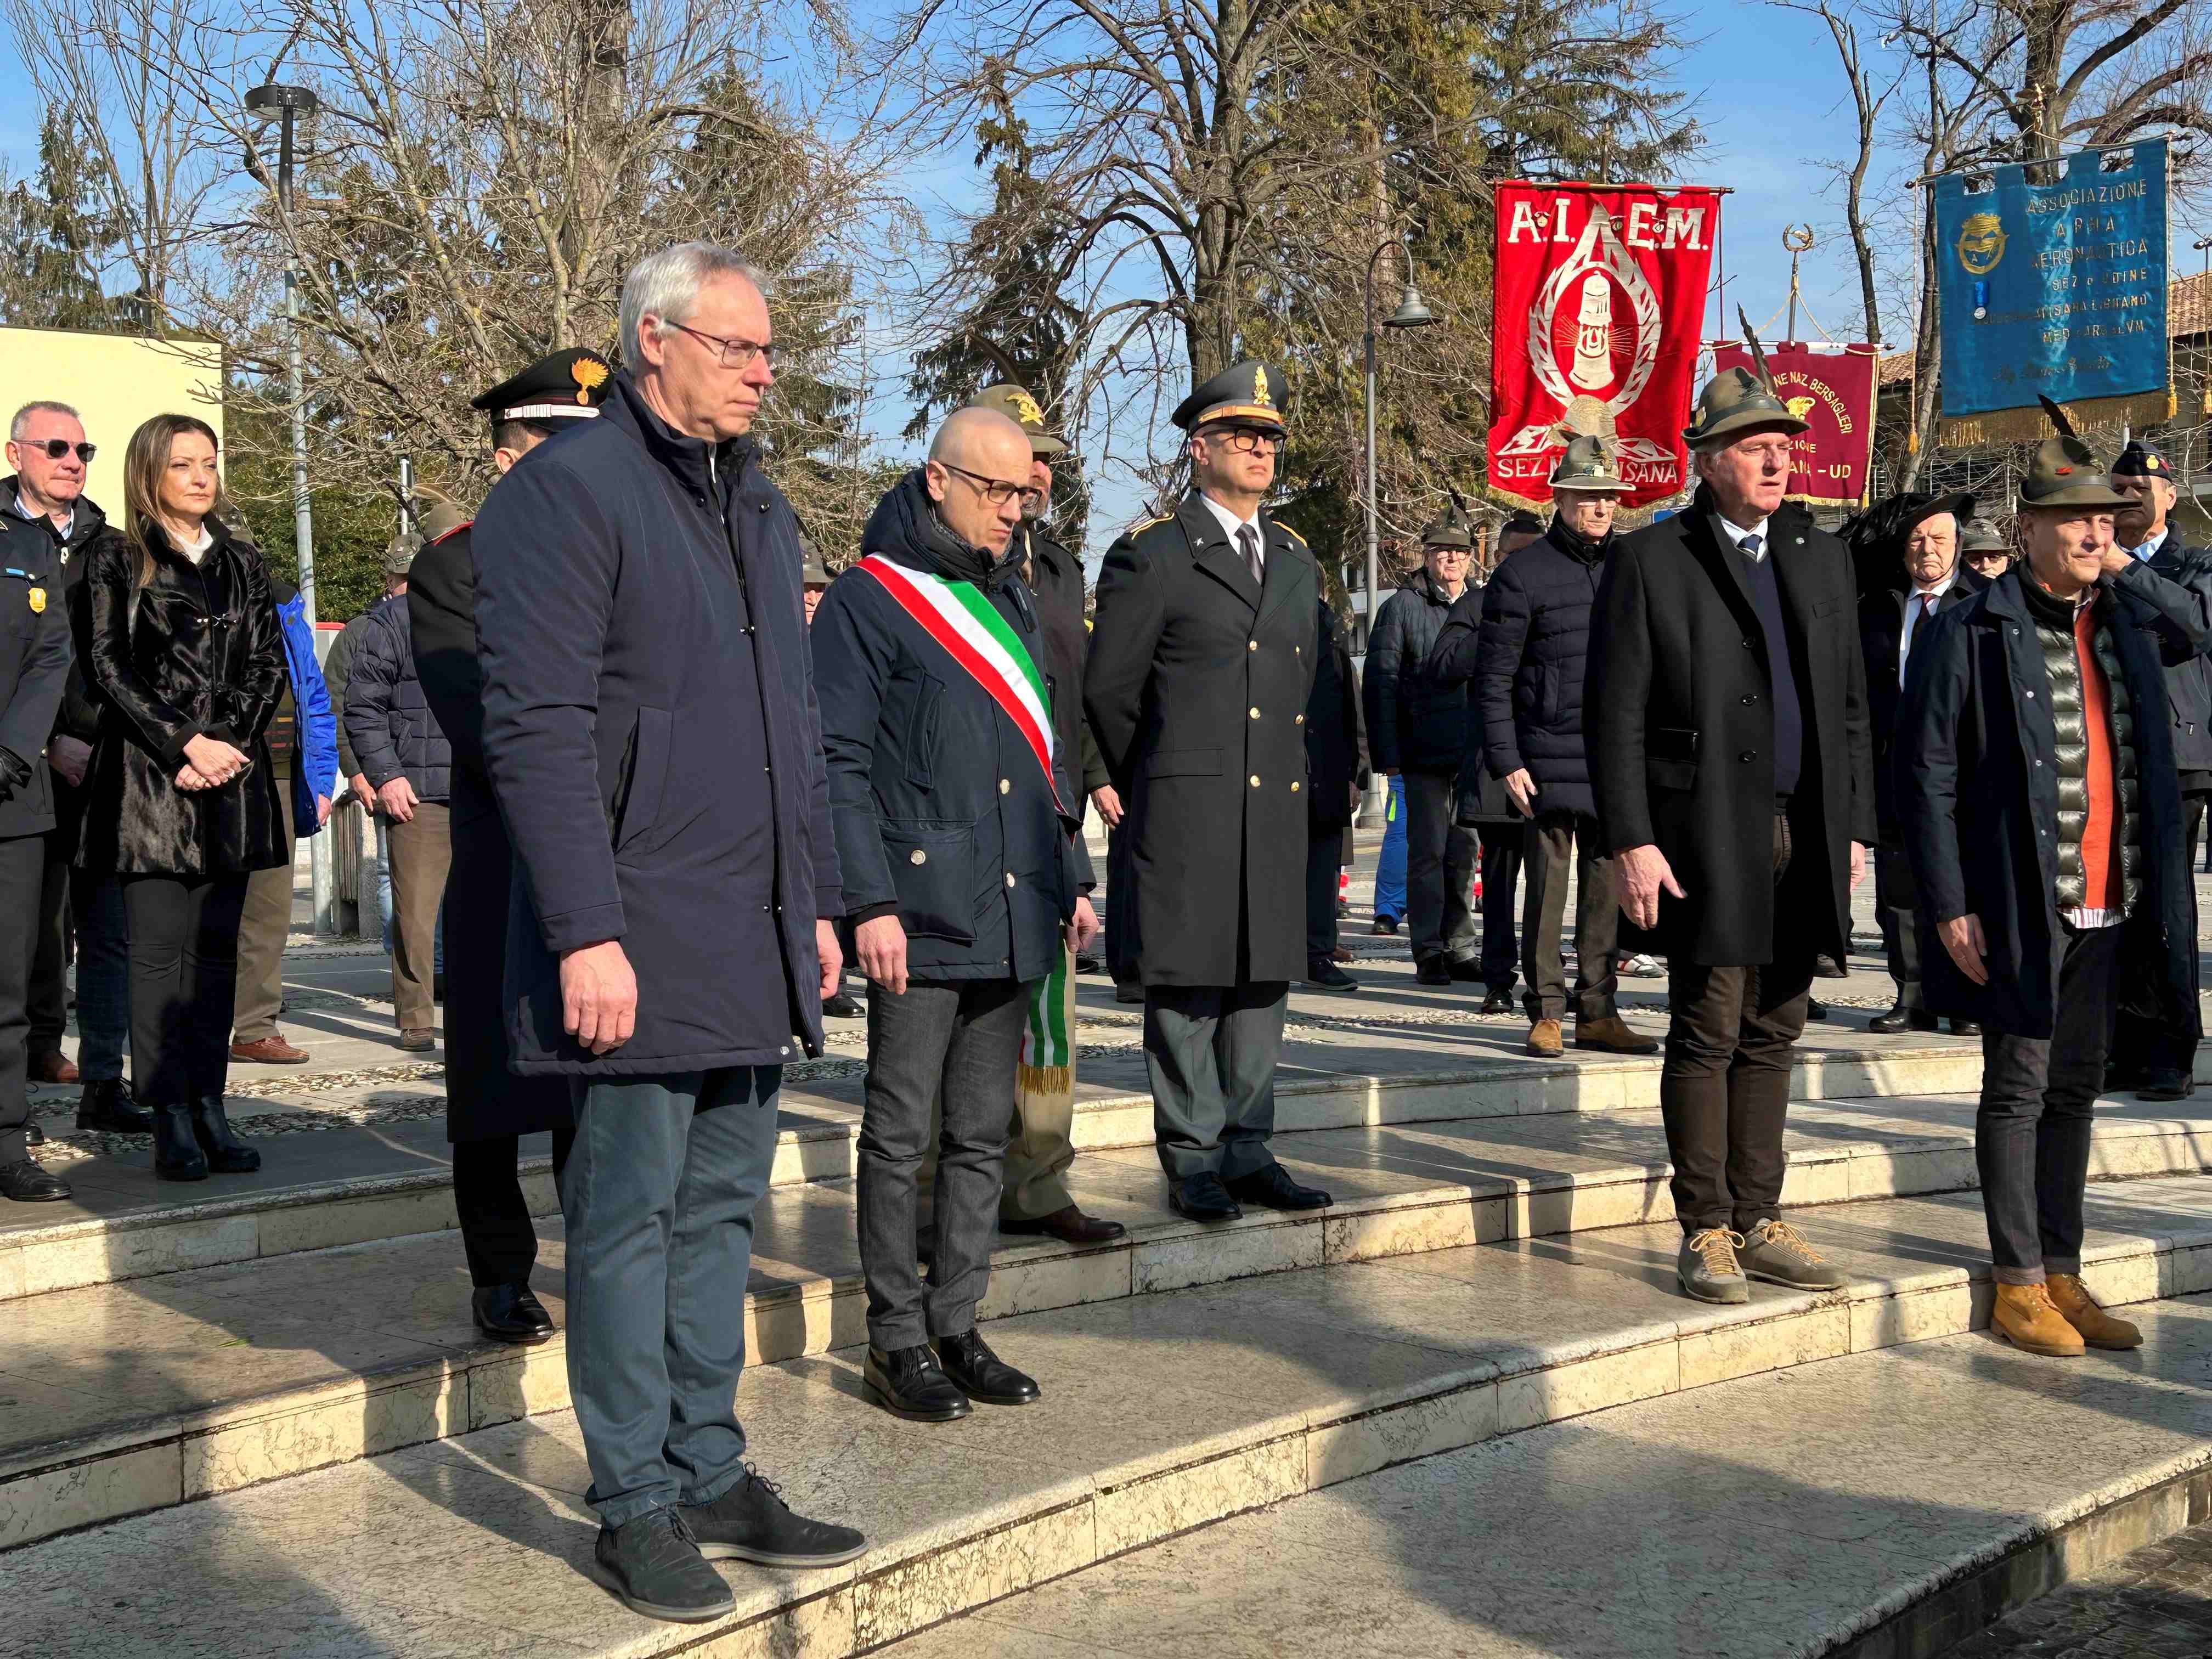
{"points": [[2032, 1133], [1324, 858], [497, 1233], [959, 1040], [1556, 844], [22, 869], [1439, 870], [1501, 878], [184, 982], [1724, 1088], [1895, 896]]}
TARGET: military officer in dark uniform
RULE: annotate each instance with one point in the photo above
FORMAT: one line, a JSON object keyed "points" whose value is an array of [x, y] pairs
{"points": [[34, 663], [1203, 651], [488, 1109], [2151, 1057]]}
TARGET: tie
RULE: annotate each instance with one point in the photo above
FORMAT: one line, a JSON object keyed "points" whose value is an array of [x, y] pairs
{"points": [[1927, 608], [1248, 542], [1751, 544]]}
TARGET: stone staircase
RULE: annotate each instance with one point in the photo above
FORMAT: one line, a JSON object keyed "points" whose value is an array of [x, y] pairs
{"points": [[277, 1389]]}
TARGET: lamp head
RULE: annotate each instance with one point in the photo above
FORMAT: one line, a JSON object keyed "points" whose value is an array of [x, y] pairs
{"points": [[268, 102], [1413, 311]]}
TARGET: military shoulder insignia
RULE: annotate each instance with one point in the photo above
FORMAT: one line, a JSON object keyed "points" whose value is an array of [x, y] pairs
{"points": [[1287, 531], [1138, 530], [38, 600]]}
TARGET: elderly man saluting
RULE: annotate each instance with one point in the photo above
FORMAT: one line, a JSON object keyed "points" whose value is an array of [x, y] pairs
{"points": [[650, 730], [1727, 712], [953, 804]]}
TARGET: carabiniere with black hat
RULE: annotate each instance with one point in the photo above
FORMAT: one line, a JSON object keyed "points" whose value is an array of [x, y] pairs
{"points": [[487, 1108], [1203, 654]]}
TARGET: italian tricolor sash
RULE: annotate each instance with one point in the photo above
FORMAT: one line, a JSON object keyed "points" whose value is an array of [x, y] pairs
{"points": [[959, 617], [1047, 1062]]}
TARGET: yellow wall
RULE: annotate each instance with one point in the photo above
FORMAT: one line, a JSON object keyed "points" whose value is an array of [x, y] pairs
{"points": [[115, 381]]}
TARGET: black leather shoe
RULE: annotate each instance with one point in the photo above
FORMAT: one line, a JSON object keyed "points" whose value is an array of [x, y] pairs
{"points": [[1973, 1028], [908, 1383], [1467, 970], [1272, 1188], [108, 1107], [1433, 971], [1387, 925], [1068, 1224], [1902, 1018], [509, 1313], [1324, 975], [2165, 1082], [981, 1375], [844, 1005], [1498, 1002], [1091, 964], [177, 1154], [34, 1135], [1202, 1198], [26, 1183], [1128, 990], [226, 1153], [751, 1522], [653, 1566], [1815, 1009]]}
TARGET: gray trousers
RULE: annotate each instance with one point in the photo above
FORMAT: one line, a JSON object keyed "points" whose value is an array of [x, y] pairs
{"points": [[1440, 858], [1895, 896], [959, 1041], [658, 1197], [1211, 1050], [1556, 844]]}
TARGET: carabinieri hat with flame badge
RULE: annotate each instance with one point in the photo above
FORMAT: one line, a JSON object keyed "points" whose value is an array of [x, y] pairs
{"points": [[1244, 394]]}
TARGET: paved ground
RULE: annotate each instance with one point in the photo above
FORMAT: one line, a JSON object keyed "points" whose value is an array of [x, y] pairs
{"points": [[2154, 1604]]}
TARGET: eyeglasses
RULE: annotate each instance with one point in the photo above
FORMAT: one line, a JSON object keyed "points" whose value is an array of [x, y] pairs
{"points": [[735, 353], [57, 447], [1247, 439], [997, 491]]}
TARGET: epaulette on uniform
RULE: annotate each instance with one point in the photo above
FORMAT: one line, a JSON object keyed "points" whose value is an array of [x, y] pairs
{"points": [[1136, 531], [1289, 531]]}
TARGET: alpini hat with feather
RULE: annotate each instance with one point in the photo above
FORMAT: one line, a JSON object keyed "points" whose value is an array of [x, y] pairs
{"points": [[1740, 400], [1015, 402], [2065, 471], [1450, 530], [1249, 393], [1588, 463]]}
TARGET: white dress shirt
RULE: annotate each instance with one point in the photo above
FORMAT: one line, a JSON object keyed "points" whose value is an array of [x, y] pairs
{"points": [[1230, 523], [1735, 534], [1911, 602]]}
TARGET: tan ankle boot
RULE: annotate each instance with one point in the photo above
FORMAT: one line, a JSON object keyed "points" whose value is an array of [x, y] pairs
{"points": [[2031, 1321], [1545, 1041], [1615, 1036], [2080, 1310]]}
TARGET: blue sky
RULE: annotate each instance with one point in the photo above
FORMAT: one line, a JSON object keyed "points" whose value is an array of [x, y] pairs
{"points": [[1764, 81]]}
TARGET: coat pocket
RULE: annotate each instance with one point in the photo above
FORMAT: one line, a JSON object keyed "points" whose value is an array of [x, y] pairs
{"points": [[1184, 763], [933, 868], [921, 730], [644, 779]]}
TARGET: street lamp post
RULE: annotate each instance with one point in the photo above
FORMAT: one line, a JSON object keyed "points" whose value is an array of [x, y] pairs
{"points": [[1412, 312], [286, 105]]}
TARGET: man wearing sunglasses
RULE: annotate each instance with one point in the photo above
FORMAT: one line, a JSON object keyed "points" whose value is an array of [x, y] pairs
{"points": [[47, 522], [1202, 658]]}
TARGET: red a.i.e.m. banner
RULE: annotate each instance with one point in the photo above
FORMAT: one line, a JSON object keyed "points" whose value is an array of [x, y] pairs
{"points": [[1597, 295]]}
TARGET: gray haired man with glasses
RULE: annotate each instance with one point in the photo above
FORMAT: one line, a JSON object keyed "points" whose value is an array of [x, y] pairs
{"points": [[1202, 658], [650, 729]]}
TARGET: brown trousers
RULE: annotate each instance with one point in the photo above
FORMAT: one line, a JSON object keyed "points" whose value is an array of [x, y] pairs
{"points": [[262, 929], [422, 853]]}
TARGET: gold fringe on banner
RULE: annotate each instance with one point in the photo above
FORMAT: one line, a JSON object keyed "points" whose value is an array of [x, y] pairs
{"points": [[2031, 425]]}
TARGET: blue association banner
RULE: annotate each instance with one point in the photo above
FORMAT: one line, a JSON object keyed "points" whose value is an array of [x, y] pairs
{"points": [[2056, 284]]}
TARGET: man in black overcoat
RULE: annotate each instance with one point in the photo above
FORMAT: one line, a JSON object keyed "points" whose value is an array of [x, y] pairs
{"points": [[1203, 651], [487, 1108], [1906, 550], [1726, 714], [2042, 809], [2157, 1061]]}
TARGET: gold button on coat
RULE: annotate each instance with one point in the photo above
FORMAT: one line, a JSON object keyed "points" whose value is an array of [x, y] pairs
{"points": [[1006, 785], [1255, 713], [1255, 780], [1251, 645], [917, 856], [1294, 789], [1009, 878]]}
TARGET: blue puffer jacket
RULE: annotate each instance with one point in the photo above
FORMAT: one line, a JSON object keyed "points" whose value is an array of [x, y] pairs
{"points": [[943, 816], [1529, 660], [388, 720], [315, 757]]}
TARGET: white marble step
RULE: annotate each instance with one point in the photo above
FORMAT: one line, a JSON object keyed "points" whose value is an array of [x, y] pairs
{"points": [[353, 1186], [1160, 1414]]}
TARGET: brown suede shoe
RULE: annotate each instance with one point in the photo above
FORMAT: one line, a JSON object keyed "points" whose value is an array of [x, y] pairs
{"points": [[2026, 1315], [53, 1067], [269, 1051], [418, 1039], [1615, 1035], [2080, 1310], [1544, 1039]]}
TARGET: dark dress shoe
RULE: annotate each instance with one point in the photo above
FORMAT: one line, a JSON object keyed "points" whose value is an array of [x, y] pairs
{"points": [[981, 1375], [1467, 970], [26, 1183], [1272, 1188], [177, 1154], [509, 1313], [1967, 1028], [1326, 975], [34, 1135], [1499, 1002], [226, 1153], [653, 1566], [1433, 971], [108, 1107], [1815, 1009], [751, 1522], [1385, 925], [1069, 1226], [1202, 1198], [52, 1066], [1091, 964], [844, 1005], [908, 1383], [2165, 1082], [1902, 1018], [1128, 991]]}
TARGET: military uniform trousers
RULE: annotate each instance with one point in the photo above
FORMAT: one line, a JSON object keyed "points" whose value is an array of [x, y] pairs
{"points": [[1211, 1052], [22, 875]]}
